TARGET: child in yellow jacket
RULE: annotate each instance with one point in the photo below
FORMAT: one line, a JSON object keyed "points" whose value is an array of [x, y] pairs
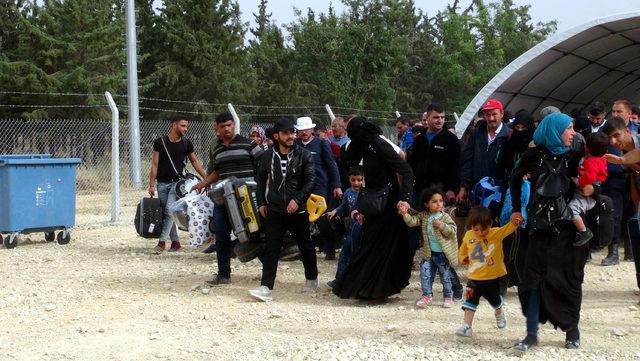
{"points": [[440, 248], [481, 249]]}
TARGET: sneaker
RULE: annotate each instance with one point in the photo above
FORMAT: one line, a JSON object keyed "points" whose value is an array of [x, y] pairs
{"points": [[159, 248], [501, 320], [424, 301], [457, 294], [524, 345], [311, 286], [331, 283], [262, 293], [448, 302], [464, 331], [175, 246], [582, 237], [219, 280]]}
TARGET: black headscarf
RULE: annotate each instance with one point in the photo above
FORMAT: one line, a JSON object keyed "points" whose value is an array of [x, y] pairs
{"points": [[520, 139], [362, 132]]}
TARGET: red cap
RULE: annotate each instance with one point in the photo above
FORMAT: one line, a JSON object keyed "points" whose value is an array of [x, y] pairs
{"points": [[492, 104]]}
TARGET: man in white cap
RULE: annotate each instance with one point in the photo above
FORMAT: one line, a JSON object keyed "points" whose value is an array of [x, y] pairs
{"points": [[327, 176]]}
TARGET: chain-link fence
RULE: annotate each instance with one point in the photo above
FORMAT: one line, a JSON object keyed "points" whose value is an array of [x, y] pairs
{"points": [[90, 140]]}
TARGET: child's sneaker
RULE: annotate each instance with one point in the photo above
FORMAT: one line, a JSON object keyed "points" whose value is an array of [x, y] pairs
{"points": [[582, 237], [464, 331], [424, 301], [175, 246], [448, 302], [501, 320]]}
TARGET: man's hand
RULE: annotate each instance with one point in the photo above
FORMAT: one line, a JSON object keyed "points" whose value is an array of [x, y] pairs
{"points": [[263, 211], [331, 214], [292, 207], [403, 207], [587, 190], [198, 187], [337, 192], [450, 196], [613, 159], [516, 218], [152, 190], [462, 195]]}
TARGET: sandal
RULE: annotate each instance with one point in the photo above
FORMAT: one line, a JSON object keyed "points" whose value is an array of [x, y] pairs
{"points": [[526, 344]]}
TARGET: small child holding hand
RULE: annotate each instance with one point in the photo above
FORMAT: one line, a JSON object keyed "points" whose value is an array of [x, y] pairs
{"points": [[440, 248]]}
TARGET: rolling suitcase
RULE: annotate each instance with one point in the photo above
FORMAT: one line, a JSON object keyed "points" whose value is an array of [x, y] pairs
{"points": [[239, 197], [148, 219]]}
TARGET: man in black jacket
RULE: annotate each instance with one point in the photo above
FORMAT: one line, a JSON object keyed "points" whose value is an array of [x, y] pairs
{"points": [[435, 158], [479, 158], [285, 179]]}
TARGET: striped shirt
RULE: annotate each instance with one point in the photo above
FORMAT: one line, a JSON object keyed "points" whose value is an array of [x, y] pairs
{"points": [[237, 159]]}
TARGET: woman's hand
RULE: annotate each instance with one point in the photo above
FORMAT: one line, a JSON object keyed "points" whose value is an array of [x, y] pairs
{"points": [[516, 218], [403, 207]]}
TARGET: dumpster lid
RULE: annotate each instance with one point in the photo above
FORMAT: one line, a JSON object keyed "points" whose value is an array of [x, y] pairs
{"points": [[38, 161]]}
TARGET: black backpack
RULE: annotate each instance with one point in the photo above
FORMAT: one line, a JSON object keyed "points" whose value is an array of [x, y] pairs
{"points": [[548, 206]]}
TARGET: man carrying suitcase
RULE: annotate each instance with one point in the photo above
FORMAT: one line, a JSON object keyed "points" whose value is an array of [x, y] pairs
{"points": [[168, 160], [285, 179], [232, 155]]}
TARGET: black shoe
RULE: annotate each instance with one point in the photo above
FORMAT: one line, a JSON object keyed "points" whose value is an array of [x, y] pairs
{"points": [[219, 280], [611, 260], [582, 237], [572, 345], [210, 249], [524, 345], [331, 283], [457, 294]]}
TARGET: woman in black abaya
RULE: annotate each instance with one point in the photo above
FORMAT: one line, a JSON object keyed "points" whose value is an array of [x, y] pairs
{"points": [[380, 265]]}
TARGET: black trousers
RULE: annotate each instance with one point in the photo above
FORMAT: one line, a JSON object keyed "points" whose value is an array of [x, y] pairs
{"points": [[276, 226]]}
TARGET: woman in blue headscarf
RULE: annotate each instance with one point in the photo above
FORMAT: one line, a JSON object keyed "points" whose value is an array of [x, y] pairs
{"points": [[551, 287]]}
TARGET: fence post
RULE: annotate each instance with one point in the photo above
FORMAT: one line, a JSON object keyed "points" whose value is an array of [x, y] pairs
{"points": [[115, 159], [330, 112], [236, 119], [455, 115], [132, 92]]}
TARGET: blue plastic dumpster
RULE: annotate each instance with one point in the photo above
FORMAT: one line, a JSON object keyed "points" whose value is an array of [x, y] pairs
{"points": [[37, 194]]}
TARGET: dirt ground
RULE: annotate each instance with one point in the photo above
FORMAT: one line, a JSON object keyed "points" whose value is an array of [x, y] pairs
{"points": [[105, 296]]}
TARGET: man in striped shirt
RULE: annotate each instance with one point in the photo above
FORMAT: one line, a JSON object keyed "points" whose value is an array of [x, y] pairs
{"points": [[232, 155]]}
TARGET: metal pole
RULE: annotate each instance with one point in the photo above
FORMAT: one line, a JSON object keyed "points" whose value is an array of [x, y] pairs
{"points": [[115, 159], [397, 114], [330, 112], [236, 119], [132, 91], [455, 115]]}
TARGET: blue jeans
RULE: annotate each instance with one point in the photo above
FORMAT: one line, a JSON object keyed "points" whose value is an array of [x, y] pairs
{"points": [[167, 195], [347, 248], [223, 240], [428, 268]]}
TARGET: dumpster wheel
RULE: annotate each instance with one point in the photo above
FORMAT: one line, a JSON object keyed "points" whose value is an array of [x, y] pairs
{"points": [[49, 236], [11, 241], [64, 237]]}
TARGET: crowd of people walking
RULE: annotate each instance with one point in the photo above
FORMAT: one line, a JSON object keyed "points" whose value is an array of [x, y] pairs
{"points": [[531, 181]]}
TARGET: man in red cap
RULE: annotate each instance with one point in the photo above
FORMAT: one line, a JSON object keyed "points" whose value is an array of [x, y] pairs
{"points": [[482, 148]]}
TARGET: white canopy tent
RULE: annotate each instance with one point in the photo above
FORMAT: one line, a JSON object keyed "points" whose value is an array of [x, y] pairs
{"points": [[596, 61]]}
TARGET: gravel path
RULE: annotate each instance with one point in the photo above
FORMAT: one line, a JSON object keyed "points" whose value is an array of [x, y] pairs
{"points": [[105, 296]]}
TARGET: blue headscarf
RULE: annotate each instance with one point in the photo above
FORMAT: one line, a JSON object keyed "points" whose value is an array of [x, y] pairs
{"points": [[549, 132]]}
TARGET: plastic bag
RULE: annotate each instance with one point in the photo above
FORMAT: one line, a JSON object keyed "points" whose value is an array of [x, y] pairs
{"points": [[194, 212], [507, 207]]}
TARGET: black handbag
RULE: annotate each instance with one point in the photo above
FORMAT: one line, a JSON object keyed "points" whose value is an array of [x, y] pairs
{"points": [[372, 202]]}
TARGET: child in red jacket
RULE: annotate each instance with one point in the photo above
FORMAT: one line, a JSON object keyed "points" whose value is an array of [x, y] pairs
{"points": [[592, 171]]}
